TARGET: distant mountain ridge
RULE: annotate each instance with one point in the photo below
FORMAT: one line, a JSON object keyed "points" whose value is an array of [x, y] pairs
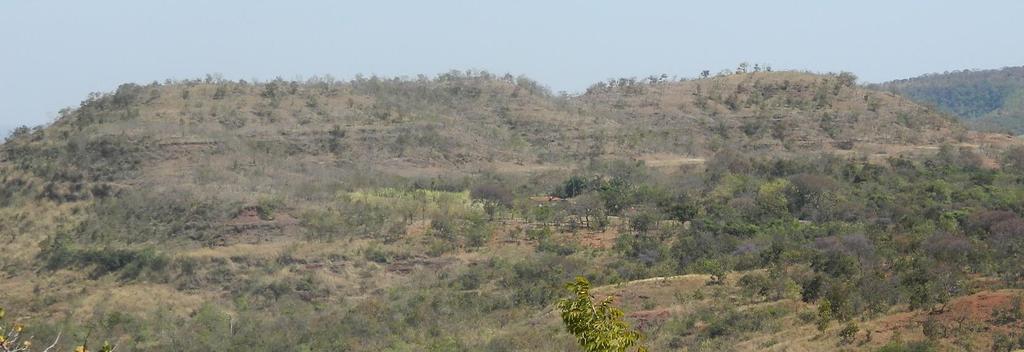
{"points": [[991, 100]]}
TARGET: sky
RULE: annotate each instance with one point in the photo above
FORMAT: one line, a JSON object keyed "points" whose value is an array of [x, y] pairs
{"points": [[53, 53]]}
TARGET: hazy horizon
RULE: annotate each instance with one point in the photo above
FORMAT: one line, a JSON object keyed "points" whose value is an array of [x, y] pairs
{"points": [[58, 52]]}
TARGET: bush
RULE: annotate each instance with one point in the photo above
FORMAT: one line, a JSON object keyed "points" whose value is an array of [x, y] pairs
{"points": [[376, 255], [13, 339], [755, 284], [1014, 159], [536, 281], [471, 231], [151, 216], [574, 186], [932, 329], [493, 197], [1010, 314], [266, 206], [643, 222], [728, 321], [59, 253], [1007, 343], [715, 268], [349, 219], [848, 333], [92, 158], [824, 315]]}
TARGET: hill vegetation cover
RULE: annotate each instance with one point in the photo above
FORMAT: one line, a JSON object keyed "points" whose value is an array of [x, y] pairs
{"points": [[745, 211], [984, 99]]}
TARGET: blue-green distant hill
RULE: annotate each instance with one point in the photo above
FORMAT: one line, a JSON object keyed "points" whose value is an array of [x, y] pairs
{"points": [[984, 99]]}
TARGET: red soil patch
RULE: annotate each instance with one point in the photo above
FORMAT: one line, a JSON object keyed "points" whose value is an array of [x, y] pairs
{"points": [[598, 239], [978, 307], [249, 227], [974, 309], [647, 319]]}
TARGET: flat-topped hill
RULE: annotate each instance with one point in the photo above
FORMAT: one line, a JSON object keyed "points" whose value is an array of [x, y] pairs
{"points": [[448, 213]]}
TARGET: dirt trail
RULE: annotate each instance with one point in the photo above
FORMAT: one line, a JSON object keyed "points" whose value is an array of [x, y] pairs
{"points": [[670, 160]]}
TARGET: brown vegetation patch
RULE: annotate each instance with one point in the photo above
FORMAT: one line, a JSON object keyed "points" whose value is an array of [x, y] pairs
{"points": [[248, 226], [602, 239], [978, 307], [417, 228], [250, 217], [408, 265], [648, 319], [971, 312]]}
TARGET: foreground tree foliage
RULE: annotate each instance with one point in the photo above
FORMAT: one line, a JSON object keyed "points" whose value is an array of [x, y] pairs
{"points": [[597, 327], [13, 339]]}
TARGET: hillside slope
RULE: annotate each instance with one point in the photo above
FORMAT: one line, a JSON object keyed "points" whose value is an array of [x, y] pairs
{"points": [[984, 99], [234, 138], [460, 121], [447, 213]]}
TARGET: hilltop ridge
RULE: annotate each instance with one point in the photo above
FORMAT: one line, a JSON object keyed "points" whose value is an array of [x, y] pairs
{"points": [[460, 119]]}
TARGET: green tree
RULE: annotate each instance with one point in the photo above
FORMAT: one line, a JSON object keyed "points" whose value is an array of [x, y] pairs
{"points": [[493, 197], [824, 315], [772, 201], [597, 327], [715, 268]]}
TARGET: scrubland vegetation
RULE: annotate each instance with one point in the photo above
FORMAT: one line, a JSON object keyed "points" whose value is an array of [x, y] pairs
{"points": [[748, 211]]}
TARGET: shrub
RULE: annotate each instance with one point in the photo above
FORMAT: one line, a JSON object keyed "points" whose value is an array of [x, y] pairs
{"points": [[151, 216], [824, 315], [715, 268], [644, 248], [1007, 343], [1014, 159], [352, 219], [1010, 314], [92, 158], [932, 329], [59, 253], [266, 206], [493, 197], [771, 200], [376, 255], [13, 339], [848, 333], [573, 187], [755, 284]]}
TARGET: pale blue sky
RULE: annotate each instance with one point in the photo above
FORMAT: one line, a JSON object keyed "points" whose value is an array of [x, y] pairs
{"points": [[53, 53]]}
